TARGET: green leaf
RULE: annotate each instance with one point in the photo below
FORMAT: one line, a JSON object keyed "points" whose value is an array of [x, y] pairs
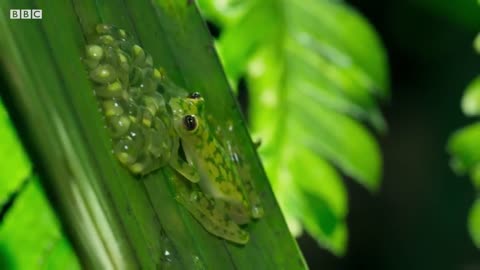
{"points": [[463, 146], [336, 240], [328, 184], [475, 175], [15, 166], [316, 215], [30, 237], [223, 11], [310, 81], [322, 206], [117, 220], [476, 43], [338, 138], [471, 98], [474, 223]]}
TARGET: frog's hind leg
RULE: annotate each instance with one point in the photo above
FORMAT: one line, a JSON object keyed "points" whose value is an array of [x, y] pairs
{"points": [[213, 215], [183, 167], [239, 213]]}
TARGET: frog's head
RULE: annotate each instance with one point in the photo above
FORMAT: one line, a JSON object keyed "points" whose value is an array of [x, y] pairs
{"points": [[196, 103], [187, 114]]}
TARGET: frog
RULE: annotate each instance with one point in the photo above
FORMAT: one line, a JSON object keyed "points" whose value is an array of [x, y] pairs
{"points": [[223, 201]]}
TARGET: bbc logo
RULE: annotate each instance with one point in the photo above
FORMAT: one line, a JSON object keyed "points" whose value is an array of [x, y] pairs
{"points": [[27, 14]]}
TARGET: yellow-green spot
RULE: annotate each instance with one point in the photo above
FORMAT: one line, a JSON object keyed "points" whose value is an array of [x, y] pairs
{"points": [[94, 52], [138, 54], [122, 33], [106, 40], [146, 117], [119, 125], [124, 158], [137, 168], [103, 28], [115, 87], [103, 74], [112, 108], [123, 61], [157, 74]]}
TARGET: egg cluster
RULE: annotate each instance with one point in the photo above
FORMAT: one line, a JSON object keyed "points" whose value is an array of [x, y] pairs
{"points": [[127, 88]]}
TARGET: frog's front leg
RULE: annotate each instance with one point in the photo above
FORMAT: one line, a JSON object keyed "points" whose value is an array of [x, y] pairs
{"points": [[183, 167], [214, 215]]}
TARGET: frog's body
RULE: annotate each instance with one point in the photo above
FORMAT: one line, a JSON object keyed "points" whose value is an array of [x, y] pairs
{"points": [[225, 198], [146, 134]]}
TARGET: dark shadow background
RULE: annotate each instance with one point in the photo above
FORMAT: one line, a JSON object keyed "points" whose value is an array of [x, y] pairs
{"points": [[418, 219]]}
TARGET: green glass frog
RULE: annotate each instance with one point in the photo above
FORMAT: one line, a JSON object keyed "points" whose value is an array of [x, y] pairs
{"points": [[224, 199]]}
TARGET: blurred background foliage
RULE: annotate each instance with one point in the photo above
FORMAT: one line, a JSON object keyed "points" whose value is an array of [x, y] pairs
{"points": [[418, 220], [310, 84], [30, 235], [418, 217], [463, 146]]}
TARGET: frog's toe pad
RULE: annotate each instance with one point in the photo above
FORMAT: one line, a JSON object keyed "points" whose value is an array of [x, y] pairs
{"points": [[257, 211], [212, 217]]}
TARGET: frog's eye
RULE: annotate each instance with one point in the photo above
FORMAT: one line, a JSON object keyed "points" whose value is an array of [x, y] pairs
{"points": [[195, 95], [190, 122]]}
